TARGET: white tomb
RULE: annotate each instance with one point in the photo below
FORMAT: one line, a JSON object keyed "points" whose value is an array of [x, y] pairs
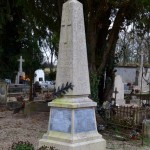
{"points": [[39, 76], [72, 123]]}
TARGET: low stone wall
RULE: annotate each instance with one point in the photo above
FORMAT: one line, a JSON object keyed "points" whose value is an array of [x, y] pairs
{"points": [[36, 106]]}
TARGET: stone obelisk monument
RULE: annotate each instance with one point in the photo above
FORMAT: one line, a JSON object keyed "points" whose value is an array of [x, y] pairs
{"points": [[72, 123]]}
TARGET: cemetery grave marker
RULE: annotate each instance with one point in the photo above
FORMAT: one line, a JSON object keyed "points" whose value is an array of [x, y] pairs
{"points": [[72, 123]]}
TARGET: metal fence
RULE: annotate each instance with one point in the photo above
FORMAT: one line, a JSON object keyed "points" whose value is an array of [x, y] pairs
{"points": [[127, 116]]}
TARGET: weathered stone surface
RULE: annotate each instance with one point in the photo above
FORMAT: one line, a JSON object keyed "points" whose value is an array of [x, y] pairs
{"points": [[84, 120], [73, 102], [72, 123], [60, 120], [96, 144], [72, 59], [20, 72], [144, 76], [3, 93], [119, 87], [146, 128]]}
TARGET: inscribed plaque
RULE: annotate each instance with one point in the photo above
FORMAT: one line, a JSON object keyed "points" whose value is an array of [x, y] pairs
{"points": [[60, 120], [84, 120]]}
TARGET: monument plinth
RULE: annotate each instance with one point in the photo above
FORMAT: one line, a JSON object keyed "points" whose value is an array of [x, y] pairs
{"points": [[72, 123]]}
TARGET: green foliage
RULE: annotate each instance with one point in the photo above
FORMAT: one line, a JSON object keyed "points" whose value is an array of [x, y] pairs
{"points": [[28, 146], [47, 148], [4, 12], [94, 82], [146, 141], [24, 23], [22, 146], [9, 46]]}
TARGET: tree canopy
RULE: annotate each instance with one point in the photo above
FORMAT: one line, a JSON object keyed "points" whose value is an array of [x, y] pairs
{"points": [[27, 23]]}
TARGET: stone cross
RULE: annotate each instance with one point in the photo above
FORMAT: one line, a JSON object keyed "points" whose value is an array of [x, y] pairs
{"points": [[116, 92], [20, 72], [20, 64]]}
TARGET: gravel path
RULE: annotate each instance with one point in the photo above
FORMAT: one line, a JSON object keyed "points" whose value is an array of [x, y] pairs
{"points": [[14, 128]]}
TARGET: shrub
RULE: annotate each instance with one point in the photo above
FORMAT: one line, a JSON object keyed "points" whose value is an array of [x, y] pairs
{"points": [[94, 82], [28, 146], [22, 146], [47, 148]]}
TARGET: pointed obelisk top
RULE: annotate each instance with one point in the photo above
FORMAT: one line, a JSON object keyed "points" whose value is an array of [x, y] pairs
{"points": [[72, 58], [75, 111]]}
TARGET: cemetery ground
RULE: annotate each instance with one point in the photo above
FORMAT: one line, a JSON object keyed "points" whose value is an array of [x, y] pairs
{"points": [[18, 127]]}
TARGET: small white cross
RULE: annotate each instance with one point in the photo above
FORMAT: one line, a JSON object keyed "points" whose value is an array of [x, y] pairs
{"points": [[20, 63]]}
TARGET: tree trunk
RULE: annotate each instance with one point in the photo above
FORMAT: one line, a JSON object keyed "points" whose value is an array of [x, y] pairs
{"points": [[107, 59], [91, 44], [112, 40], [101, 41]]}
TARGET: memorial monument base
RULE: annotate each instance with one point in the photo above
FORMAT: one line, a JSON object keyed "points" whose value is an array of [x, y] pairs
{"points": [[94, 144], [72, 125], [72, 122]]}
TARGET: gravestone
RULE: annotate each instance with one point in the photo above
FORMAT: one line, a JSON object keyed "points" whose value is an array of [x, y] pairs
{"points": [[146, 81], [3, 93], [119, 87], [135, 101], [72, 123], [144, 77], [146, 124], [20, 73]]}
